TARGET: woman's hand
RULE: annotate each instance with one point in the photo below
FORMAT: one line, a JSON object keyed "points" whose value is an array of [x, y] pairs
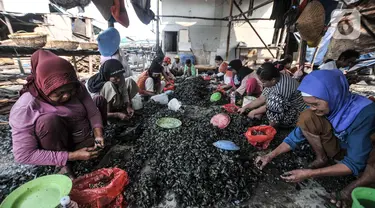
{"points": [[130, 111], [296, 176], [252, 114], [86, 153], [262, 161], [241, 110], [99, 142], [122, 116]]}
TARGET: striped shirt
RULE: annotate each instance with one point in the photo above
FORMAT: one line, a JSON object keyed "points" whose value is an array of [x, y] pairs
{"points": [[284, 101]]}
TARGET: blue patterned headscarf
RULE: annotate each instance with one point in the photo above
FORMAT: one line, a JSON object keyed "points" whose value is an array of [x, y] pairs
{"points": [[332, 87]]}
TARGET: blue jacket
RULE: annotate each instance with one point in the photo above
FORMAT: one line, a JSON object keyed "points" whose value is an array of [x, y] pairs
{"points": [[355, 139]]}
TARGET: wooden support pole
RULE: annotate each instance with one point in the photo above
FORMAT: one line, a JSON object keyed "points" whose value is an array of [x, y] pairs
{"points": [[302, 53], [111, 24], [252, 27], [251, 6], [281, 45], [255, 8], [229, 28], [75, 63], [157, 24]]}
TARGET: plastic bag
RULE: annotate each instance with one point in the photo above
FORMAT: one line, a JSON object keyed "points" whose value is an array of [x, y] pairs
{"points": [[161, 98], [169, 86], [262, 140], [137, 102], [101, 188], [220, 120], [231, 108], [247, 100], [174, 105]]}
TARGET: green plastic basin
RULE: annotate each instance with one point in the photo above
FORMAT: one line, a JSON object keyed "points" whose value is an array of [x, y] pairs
{"points": [[168, 123], [363, 197], [43, 192], [215, 97]]}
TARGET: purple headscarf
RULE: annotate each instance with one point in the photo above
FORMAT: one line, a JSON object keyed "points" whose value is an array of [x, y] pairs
{"points": [[332, 87]]}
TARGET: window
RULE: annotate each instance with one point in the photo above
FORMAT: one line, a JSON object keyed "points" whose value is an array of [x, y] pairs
{"points": [[170, 41]]}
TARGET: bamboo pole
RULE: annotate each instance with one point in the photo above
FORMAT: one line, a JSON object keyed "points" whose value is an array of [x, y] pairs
{"points": [[229, 28], [252, 27], [157, 24], [255, 8], [282, 42], [208, 18]]}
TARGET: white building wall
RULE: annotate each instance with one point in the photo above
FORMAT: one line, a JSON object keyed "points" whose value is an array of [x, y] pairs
{"points": [[211, 36]]}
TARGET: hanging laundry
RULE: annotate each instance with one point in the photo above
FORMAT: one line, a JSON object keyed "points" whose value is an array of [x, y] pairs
{"points": [[143, 11], [113, 11], [279, 9], [119, 13]]}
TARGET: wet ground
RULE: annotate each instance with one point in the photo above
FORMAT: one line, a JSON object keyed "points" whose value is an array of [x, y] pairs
{"points": [[142, 149]]}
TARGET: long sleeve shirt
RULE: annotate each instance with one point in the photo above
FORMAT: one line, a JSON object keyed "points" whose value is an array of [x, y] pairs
{"points": [[356, 139], [26, 111]]}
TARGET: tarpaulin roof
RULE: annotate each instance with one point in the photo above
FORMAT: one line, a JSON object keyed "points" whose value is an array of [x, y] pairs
{"points": [[366, 42]]}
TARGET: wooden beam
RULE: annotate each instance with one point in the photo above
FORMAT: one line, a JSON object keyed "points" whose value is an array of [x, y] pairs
{"points": [[157, 25], [251, 6], [229, 28], [192, 17], [302, 53], [255, 8], [208, 18], [282, 42], [252, 27]]}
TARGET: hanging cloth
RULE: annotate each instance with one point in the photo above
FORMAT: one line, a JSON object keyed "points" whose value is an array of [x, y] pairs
{"points": [[143, 11], [280, 7]]}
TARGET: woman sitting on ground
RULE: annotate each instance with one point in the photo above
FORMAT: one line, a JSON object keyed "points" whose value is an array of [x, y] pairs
{"points": [[338, 125], [149, 82], [167, 70], [53, 119], [110, 83], [285, 65], [280, 99], [250, 85], [189, 69]]}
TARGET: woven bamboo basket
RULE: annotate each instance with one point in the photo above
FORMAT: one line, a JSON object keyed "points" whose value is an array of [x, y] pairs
{"points": [[88, 46], [310, 23], [64, 44], [29, 39]]}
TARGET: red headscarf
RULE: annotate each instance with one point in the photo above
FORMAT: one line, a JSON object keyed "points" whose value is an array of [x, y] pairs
{"points": [[48, 72]]}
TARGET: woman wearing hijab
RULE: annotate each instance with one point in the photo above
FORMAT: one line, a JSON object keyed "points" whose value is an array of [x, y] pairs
{"points": [[149, 82], [117, 91], [280, 99], [338, 125], [53, 119]]}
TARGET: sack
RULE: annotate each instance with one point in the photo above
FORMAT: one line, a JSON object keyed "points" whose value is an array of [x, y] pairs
{"points": [[137, 102], [262, 140], [161, 98], [174, 105], [101, 188]]}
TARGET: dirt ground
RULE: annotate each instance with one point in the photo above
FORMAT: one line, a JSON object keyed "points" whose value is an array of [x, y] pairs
{"points": [[272, 192]]}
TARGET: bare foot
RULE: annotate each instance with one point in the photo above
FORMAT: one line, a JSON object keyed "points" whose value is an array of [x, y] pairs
{"points": [[318, 163], [67, 170], [341, 199]]}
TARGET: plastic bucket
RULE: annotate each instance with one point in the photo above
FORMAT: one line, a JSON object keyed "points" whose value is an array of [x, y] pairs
{"points": [[363, 197]]}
